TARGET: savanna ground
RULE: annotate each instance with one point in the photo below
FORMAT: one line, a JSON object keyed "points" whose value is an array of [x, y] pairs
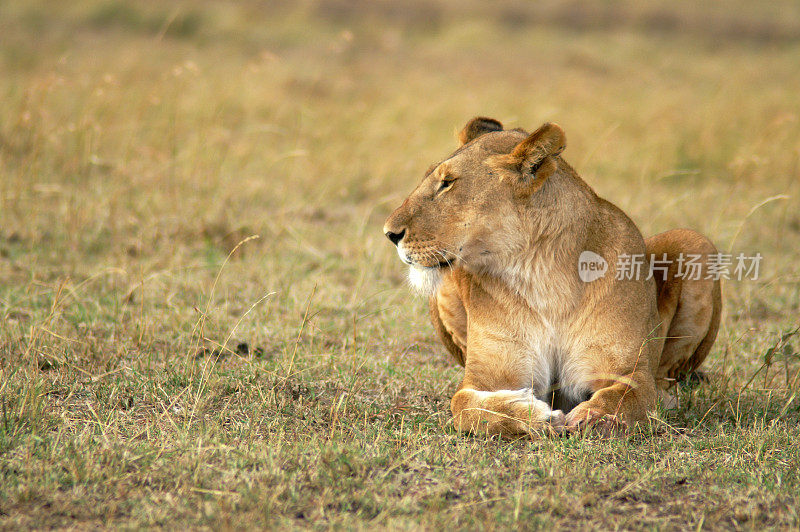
{"points": [[147, 381]]}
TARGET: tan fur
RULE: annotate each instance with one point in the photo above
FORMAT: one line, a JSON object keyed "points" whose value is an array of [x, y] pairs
{"points": [[494, 233]]}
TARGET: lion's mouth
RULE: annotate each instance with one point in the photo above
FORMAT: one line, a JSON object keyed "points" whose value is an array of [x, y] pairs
{"points": [[443, 260], [441, 265]]}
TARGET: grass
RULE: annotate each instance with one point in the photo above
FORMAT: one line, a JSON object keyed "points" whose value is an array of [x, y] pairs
{"points": [[152, 374]]}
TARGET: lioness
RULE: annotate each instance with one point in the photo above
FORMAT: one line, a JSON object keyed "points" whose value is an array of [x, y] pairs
{"points": [[494, 234]]}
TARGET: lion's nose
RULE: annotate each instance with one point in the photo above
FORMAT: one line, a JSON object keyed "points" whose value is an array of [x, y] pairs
{"points": [[395, 237]]}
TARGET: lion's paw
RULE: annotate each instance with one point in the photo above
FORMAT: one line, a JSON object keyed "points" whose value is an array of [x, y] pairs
{"points": [[586, 420], [557, 418], [558, 421]]}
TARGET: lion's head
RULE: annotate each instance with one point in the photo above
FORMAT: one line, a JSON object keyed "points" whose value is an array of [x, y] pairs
{"points": [[474, 209]]}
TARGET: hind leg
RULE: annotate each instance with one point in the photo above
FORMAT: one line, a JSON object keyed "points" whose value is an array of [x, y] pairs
{"points": [[693, 329], [690, 309]]}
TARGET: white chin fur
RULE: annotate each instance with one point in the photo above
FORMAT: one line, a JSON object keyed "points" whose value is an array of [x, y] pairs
{"points": [[424, 280]]}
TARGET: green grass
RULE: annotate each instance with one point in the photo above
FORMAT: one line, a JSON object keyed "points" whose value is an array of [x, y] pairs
{"points": [[141, 142]]}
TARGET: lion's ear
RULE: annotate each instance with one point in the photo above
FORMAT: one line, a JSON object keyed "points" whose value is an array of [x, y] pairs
{"points": [[548, 140], [477, 127], [533, 159]]}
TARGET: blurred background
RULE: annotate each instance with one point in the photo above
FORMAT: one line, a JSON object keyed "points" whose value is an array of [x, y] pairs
{"points": [[154, 136], [140, 142]]}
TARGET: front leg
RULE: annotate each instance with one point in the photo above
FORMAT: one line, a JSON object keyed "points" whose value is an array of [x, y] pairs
{"points": [[505, 412], [497, 394], [615, 405]]}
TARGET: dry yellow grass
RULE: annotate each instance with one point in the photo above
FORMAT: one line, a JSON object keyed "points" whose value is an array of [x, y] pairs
{"points": [[140, 143]]}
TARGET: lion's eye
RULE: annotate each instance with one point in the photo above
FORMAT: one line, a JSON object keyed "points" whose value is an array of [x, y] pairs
{"points": [[446, 183]]}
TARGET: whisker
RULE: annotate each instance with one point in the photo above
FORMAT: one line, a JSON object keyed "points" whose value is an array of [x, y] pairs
{"points": [[441, 254], [456, 255]]}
